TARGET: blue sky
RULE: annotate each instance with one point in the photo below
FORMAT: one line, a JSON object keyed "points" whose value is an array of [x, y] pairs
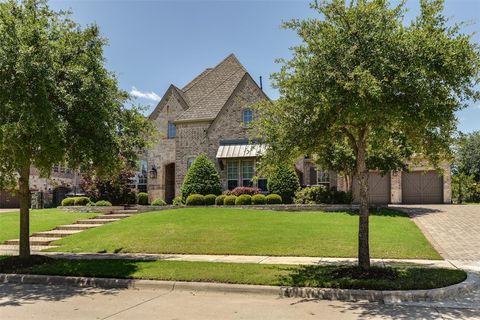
{"points": [[155, 43]]}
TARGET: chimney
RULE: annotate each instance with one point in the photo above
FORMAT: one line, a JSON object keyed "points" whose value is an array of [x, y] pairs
{"points": [[261, 85]]}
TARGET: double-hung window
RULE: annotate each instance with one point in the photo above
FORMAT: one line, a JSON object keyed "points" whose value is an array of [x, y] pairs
{"points": [[232, 174], [172, 130], [247, 173], [247, 117], [323, 178]]}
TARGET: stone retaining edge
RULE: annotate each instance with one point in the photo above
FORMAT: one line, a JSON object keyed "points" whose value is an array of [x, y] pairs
{"points": [[388, 297]]}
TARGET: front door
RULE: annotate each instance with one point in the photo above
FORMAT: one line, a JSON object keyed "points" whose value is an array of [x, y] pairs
{"points": [[169, 182]]}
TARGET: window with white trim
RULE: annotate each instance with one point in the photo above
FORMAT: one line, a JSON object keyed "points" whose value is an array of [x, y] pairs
{"points": [[232, 174], [323, 177], [247, 173]]}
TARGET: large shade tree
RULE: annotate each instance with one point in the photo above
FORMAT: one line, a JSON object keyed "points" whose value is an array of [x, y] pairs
{"points": [[58, 102], [366, 79]]}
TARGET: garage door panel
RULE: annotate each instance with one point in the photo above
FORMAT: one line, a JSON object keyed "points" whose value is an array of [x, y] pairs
{"points": [[422, 187], [378, 186]]}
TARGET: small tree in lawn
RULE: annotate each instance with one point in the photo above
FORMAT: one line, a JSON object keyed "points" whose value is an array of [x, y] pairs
{"points": [[364, 75], [283, 180], [58, 103], [201, 178]]}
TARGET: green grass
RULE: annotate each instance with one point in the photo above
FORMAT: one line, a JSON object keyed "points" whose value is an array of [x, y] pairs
{"points": [[246, 273], [40, 220], [253, 232]]}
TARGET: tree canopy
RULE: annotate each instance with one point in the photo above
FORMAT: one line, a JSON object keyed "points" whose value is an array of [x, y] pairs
{"points": [[58, 102], [366, 80]]}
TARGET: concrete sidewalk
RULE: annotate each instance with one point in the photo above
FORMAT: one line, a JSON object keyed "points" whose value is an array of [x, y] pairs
{"points": [[475, 266]]}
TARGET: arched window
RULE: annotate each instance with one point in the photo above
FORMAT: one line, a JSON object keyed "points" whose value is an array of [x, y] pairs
{"points": [[172, 130]]}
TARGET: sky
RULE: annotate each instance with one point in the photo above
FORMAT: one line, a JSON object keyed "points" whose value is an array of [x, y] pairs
{"points": [[155, 43]]}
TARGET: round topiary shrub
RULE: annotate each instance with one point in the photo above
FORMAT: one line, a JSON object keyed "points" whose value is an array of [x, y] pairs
{"points": [[103, 203], [177, 201], [142, 198], [229, 200], [158, 202], [210, 199], [201, 177], [91, 204], [195, 200], [284, 181], [259, 199], [219, 200], [243, 200], [82, 201], [273, 199], [68, 202]]}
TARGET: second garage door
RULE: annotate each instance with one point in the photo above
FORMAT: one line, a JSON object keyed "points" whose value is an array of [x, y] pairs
{"points": [[422, 187], [378, 187]]}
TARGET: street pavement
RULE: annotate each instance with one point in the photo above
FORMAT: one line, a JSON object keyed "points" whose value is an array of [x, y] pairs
{"points": [[63, 302]]}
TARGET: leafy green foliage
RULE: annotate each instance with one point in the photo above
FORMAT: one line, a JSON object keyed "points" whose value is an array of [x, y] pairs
{"points": [[142, 198], [259, 199], [229, 200], [219, 200], [273, 199], [467, 155], [116, 188], [201, 178], [68, 202], [195, 200], [103, 203], [284, 181], [158, 202], [465, 188], [81, 201], [210, 199], [244, 199], [321, 194], [177, 201]]}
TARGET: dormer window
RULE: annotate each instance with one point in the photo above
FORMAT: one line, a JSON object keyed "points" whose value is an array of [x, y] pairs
{"points": [[172, 130], [247, 117]]}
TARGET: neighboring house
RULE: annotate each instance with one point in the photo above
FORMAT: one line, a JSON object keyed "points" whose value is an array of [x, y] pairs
{"points": [[46, 192], [211, 115]]}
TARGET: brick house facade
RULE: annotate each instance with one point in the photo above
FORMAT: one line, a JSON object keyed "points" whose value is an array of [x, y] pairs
{"points": [[210, 115]]}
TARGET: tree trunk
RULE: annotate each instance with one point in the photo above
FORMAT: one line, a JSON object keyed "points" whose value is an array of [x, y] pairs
{"points": [[24, 212], [362, 175]]}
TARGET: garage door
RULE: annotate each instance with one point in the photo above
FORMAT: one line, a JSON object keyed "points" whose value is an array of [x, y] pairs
{"points": [[378, 187], [422, 187]]}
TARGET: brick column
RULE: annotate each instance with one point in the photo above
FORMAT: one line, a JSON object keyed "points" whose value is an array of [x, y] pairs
{"points": [[396, 187], [447, 184]]}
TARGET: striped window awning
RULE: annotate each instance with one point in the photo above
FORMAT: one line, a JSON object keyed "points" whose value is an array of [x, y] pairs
{"points": [[240, 151]]}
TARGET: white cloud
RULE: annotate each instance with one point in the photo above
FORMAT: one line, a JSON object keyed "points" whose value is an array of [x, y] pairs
{"points": [[145, 95]]}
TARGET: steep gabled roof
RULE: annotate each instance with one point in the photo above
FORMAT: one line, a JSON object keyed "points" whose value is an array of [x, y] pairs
{"points": [[206, 94], [171, 90]]}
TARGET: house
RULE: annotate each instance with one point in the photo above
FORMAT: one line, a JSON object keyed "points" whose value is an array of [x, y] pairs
{"points": [[211, 115]]}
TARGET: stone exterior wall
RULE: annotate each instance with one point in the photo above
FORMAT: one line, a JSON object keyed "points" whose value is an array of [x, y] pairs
{"points": [[163, 152]]}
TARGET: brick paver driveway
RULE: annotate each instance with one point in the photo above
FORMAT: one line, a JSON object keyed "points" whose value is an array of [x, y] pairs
{"points": [[454, 230]]}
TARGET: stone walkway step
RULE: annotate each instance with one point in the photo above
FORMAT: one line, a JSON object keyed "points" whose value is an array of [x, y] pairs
{"points": [[55, 233], [114, 216], [13, 249], [125, 211], [78, 226], [96, 221], [34, 241]]}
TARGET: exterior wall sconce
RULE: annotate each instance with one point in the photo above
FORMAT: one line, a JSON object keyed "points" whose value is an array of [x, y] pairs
{"points": [[153, 172]]}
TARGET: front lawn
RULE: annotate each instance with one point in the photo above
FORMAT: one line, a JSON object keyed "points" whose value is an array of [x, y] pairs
{"points": [[253, 232], [40, 220], [397, 278]]}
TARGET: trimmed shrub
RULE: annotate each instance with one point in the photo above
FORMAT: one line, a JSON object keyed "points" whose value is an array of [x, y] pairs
{"points": [[195, 200], [243, 200], [321, 194], [103, 203], [201, 178], [273, 199], [91, 204], [158, 202], [219, 200], [238, 191], [142, 198], [259, 199], [229, 200], [284, 182], [177, 201], [82, 201], [68, 202], [210, 199]]}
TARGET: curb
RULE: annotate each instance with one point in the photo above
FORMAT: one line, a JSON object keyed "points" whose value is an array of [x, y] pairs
{"points": [[388, 297]]}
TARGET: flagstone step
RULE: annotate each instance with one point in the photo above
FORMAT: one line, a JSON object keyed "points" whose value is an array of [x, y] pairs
{"points": [[56, 233], [96, 221], [9, 249], [114, 216], [34, 241], [78, 226]]}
